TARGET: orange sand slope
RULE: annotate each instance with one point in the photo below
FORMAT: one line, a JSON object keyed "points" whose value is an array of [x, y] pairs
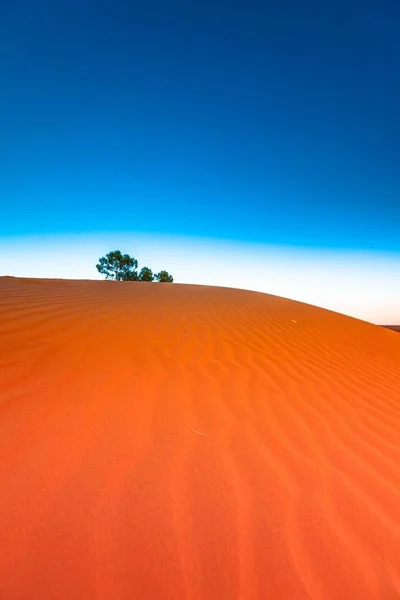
{"points": [[174, 442], [393, 327]]}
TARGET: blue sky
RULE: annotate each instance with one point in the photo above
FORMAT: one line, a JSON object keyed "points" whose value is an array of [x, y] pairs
{"points": [[267, 122], [264, 130]]}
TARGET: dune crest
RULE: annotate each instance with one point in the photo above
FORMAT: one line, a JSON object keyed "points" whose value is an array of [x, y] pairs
{"points": [[176, 442]]}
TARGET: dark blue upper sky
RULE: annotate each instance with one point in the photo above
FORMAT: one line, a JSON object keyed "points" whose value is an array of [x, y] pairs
{"points": [[254, 120]]}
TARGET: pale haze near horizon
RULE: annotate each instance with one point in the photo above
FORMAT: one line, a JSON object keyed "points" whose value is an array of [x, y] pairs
{"points": [[360, 284]]}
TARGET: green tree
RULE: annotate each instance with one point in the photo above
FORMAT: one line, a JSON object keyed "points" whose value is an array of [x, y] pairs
{"points": [[120, 267], [164, 277], [146, 274]]}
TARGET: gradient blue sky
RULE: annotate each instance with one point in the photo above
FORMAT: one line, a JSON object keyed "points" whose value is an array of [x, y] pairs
{"points": [[258, 122]]}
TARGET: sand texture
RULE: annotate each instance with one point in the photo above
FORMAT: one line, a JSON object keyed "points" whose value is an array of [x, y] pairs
{"points": [[393, 327], [175, 442]]}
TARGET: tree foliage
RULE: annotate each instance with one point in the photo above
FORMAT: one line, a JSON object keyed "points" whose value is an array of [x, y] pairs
{"points": [[164, 277], [122, 267], [146, 274]]}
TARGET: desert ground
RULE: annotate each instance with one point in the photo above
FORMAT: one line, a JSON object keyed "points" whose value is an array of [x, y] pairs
{"points": [[393, 327], [182, 442]]}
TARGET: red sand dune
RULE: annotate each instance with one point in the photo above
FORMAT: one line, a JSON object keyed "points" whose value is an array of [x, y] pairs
{"points": [[393, 327], [175, 442]]}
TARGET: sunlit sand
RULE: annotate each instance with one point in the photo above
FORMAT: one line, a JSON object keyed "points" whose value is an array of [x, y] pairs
{"points": [[177, 442]]}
